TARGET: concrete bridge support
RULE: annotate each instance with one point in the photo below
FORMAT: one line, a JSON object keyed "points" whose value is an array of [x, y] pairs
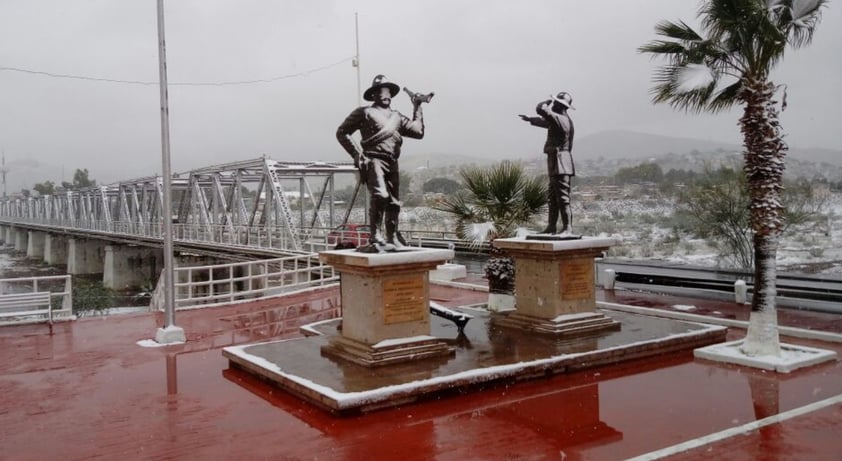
{"points": [[85, 256], [55, 250], [131, 266], [35, 244], [4, 234], [21, 239]]}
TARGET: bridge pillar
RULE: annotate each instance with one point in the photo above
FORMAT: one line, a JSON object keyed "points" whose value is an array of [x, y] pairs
{"points": [[84, 256], [35, 244], [21, 239], [3, 232], [55, 250], [9, 236], [130, 266]]}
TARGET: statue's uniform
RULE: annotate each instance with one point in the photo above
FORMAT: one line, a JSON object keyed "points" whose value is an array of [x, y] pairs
{"points": [[377, 154], [559, 161]]}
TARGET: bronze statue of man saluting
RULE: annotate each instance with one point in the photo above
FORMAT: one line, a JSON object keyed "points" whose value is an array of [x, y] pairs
{"points": [[376, 155], [560, 169]]}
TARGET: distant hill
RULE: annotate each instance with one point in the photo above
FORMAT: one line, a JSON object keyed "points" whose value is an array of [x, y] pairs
{"points": [[434, 160], [619, 144]]}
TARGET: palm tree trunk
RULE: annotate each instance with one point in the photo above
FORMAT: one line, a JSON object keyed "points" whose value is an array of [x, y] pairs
{"points": [[764, 165]]}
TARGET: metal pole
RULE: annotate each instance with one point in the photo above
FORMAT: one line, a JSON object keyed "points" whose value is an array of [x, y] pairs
{"points": [[357, 58], [166, 213]]}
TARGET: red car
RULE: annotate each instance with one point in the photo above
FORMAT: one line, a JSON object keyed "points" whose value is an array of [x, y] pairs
{"points": [[350, 235]]}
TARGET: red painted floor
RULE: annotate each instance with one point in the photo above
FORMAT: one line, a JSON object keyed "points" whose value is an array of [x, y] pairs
{"points": [[89, 392]]}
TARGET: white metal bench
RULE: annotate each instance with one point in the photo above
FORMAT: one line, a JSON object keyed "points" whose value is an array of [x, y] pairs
{"points": [[26, 304]]}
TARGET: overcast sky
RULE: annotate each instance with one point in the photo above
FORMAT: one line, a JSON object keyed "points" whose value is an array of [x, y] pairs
{"points": [[486, 60]]}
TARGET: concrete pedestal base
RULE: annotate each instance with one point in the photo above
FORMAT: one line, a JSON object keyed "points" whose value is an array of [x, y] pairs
{"points": [[554, 286], [386, 352], [501, 302], [792, 356], [563, 326], [448, 272], [484, 355], [170, 335], [385, 306]]}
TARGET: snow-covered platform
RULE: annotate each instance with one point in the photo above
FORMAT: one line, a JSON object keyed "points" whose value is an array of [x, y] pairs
{"points": [[792, 356], [484, 354]]}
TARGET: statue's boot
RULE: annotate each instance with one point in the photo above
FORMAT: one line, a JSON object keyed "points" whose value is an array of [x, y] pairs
{"points": [[375, 217], [566, 219], [552, 218], [392, 227]]}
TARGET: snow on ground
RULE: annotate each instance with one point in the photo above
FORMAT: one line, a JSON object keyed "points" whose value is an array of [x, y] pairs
{"points": [[643, 227]]}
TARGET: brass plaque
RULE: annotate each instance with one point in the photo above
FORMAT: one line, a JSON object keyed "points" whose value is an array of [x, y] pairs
{"points": [[404, 300], [577, 279]]}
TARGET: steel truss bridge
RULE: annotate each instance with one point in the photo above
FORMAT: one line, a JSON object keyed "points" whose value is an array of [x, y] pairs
{"points": [[259, 207]]}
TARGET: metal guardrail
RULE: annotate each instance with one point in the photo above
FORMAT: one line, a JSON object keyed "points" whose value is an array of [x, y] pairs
{"points": [[796, 291], [222, 284], [13, 288]]}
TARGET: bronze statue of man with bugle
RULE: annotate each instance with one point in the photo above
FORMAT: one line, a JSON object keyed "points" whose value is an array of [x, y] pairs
{"points": [[376, 155]]}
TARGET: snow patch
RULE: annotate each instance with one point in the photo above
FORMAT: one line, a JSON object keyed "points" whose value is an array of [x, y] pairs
{"points": [[693, 77], [399, 341], [153, 343]]}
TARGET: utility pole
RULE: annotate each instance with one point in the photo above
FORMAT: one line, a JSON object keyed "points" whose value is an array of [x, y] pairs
{"points": [[356, 61], [3, 171], [170, 333]]}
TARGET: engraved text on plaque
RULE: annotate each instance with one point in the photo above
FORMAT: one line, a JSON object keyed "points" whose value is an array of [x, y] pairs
{"points": [[577, 279], [403, 299]]}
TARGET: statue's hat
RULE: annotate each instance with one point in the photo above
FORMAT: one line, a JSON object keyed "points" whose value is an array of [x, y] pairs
{"points": [[380, 81], [564, 99]]}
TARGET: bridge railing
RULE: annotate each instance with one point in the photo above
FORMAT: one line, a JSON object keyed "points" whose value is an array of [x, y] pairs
{"points": [[218, 284], [245, 236]]}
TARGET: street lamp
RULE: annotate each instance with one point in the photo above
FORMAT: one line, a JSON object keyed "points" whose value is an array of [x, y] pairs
{"points": [[170, 333]]}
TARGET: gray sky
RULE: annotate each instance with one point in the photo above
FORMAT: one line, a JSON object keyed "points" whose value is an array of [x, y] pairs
{"points": [[486, 60]]}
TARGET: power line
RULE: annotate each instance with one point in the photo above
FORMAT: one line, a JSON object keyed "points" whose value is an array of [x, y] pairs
{"points": [[148, 83]]}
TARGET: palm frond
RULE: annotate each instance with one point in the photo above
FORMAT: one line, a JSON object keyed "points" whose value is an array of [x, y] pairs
{"points": [[803, 17], [495, 202], [677, 31], [726, 97]]}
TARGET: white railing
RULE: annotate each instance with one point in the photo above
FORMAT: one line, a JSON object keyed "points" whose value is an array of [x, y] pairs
{"points": [[312, 240], [242, 236], [218, 284], [18, 296]]}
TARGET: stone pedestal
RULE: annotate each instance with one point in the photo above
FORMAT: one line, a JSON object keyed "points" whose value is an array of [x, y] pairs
{"points": [[554, 286], [385, 306]]}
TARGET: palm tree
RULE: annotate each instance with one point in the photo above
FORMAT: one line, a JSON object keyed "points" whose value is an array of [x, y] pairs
{"points": [[495, 202], [728, 63]]}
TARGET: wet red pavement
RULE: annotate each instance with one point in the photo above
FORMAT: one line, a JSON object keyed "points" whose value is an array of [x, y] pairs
{"points": [[89, 392]]}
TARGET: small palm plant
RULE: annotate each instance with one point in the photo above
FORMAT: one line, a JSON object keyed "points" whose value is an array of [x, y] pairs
{"points": [[495, 202]]}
